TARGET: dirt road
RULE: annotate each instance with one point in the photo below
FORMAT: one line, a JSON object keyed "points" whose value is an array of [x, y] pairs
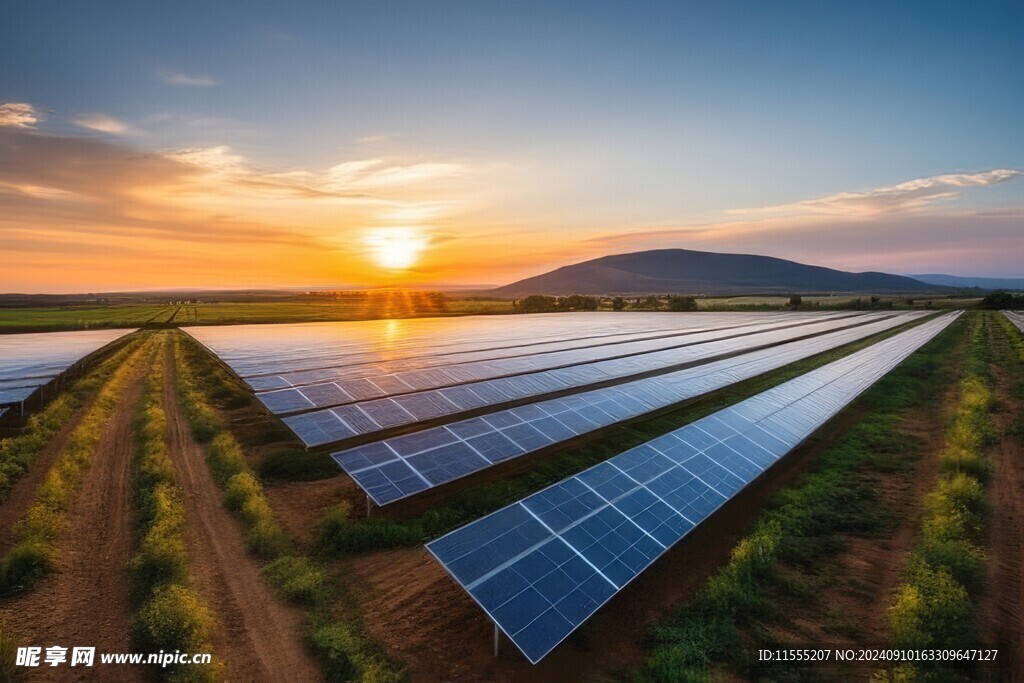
{"points": [[258, 638]]}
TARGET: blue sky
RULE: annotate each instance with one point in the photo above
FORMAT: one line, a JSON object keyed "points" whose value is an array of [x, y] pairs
{"points": [[571, 123]]}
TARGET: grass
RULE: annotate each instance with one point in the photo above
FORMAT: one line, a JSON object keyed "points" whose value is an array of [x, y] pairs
{"points": [[340, 533], [169, 615], [8, 656], [334, 630], [803, 526], [325, 307], [934, 606], [18, 453], [34, 553]]}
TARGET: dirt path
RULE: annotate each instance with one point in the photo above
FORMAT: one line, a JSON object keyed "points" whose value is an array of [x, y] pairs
{"points": [[1000, 609], [24, 490], [85, 603], [258, 638]]}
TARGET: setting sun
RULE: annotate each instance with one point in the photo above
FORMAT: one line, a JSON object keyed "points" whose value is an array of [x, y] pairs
{"points": [[395, 248]]}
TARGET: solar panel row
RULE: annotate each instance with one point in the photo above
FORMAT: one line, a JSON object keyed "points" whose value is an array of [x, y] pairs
{"points": [[540, 567], [401, 466], [369, 417], [29, 361], [264, 350], [341, 390], [1016, 318], [450, 358]]}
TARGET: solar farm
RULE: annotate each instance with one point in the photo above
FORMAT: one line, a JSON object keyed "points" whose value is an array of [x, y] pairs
{"points": [[31, 361], [584, 495], [406, 407]]}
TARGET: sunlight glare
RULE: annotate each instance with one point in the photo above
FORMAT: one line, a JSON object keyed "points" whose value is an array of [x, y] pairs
{"points": [[395, 248]]}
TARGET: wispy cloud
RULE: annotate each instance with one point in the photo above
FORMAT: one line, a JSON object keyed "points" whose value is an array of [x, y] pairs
{"points": [[102, 123], [909, 196], [18, 115], [356, 178], [180, 78]]}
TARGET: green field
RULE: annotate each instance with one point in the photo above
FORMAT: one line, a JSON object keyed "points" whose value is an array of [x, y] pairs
{"points": [[384, 304], [397, 305]]}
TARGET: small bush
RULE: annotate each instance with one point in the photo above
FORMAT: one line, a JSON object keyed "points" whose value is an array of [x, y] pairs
{"points": [[225, 457], [25, 564], [345, 656], [8, 656], [337, 534], [931, 610], [294, 464], [298, 579], [175, 618], [240, 489]]}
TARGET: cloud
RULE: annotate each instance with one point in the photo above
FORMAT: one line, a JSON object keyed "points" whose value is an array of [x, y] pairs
{"points": [[18, 115], [361, 178], [101, 123], [179, 78], [95, 207], [909, 196]]}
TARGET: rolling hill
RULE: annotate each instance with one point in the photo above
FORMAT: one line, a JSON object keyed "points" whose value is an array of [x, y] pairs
{"points": [[682, 271]]}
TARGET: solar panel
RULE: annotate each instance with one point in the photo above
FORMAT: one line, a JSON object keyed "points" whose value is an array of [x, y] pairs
{"points": [[435, 404], [30, 361], [531, 428], [540, 567], [291, 349], [327, 388], [1016, 318]]}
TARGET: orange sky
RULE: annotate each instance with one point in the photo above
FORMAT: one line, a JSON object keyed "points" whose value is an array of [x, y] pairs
{"points": [[88, 214]]}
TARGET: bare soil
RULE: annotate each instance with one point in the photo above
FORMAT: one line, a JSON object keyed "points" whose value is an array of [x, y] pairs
{"points": [[258, 638], [300, 505], [85, 603], [428, 622]]}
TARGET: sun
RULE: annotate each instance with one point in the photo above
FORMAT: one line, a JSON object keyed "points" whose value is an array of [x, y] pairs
{"points": [[395, 248]]}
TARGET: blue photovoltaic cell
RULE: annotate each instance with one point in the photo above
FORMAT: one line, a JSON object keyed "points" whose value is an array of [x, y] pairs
{"points": [[502, 435], [427, 403], [543, 565]]}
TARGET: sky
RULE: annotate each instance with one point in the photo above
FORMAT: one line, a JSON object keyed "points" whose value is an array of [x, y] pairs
{"points": [[378, 143]]}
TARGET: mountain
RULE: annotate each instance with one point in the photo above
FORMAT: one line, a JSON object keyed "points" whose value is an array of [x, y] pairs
{"points": [[682, 271], [965, 282]]}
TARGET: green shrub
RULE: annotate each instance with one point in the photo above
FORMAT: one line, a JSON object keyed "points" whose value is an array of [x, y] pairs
{"points": [[175, 618], [298, 579], [346, 657], [240, 490], [337, 534], [931, 610], [294, 464], [8, 656], [266, 539], [25, 564], [225, 457]]}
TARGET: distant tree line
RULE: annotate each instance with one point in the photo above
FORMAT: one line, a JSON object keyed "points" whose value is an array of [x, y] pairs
{"points": [[538, 303], [1001, 300]]}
